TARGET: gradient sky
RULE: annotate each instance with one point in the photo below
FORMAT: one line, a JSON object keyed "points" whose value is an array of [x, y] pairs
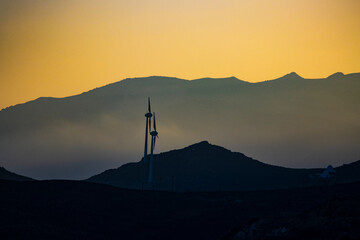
{"points": [[61, 47]]}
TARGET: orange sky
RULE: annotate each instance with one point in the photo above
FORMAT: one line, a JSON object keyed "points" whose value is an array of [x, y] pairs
{"points": [[64, 47]]}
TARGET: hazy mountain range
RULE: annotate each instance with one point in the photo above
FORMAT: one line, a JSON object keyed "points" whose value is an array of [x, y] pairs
{"points": [[206, 167], [289, 121]]}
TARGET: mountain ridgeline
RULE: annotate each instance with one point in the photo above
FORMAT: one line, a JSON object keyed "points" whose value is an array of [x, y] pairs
{"points": [[206, 167], [10, 176], [289, 121]]}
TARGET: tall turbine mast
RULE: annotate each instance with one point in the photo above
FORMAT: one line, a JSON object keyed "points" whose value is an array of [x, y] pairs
{"points": [[148, 116], [154, 135]]}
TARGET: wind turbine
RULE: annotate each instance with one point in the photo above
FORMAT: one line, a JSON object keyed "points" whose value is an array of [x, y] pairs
{"points": [[154, 135], [148, 116]]}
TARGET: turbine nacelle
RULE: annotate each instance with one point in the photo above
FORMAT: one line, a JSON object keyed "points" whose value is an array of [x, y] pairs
{"points": [[148, 115], [154, 133]]}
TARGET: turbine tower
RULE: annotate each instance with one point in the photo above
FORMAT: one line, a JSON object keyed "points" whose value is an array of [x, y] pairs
{"points": [[154, 135], [148, 116]]}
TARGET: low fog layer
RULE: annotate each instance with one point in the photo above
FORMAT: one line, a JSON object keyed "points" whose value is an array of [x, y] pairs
{"points": [[290, 121]]}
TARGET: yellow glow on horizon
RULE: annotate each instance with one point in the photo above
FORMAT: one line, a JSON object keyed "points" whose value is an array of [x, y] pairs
{"points": [[62, 47]]}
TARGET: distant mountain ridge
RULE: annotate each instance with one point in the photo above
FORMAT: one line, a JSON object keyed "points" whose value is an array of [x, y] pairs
{"points": [[290, 121], [206, 167], [289, 76]]}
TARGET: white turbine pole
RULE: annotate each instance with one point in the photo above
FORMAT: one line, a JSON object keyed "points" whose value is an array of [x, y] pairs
{"points": [[146, 139], [148, 116], [154, 135], [151, 162]]}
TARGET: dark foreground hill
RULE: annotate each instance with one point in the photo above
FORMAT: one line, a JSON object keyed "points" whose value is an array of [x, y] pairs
{"points": [[82, 210], [7, 175], [206, 167]]}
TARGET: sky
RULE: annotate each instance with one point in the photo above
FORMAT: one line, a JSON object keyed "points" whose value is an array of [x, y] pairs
{"points": [[60, 48]]}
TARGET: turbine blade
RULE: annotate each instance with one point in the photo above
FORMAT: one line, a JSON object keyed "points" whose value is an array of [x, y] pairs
{"points": [[149, 125], [149, 107], [154, 122]]}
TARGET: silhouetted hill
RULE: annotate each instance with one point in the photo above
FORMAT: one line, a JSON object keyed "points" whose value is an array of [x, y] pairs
{"points": [[338, 75], [290, 121], [206, 167], [7, 175], [81, 210], [293, 76]]}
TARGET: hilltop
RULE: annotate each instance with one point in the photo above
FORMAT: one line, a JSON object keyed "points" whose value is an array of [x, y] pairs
{"points": [[206, 167]]}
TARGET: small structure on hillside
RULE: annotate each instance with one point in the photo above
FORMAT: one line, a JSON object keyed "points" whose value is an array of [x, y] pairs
{"points": [[328, 172]]}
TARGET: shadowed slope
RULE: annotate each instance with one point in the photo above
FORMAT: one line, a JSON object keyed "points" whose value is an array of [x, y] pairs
{"points": [[7, 175], [81, 210]]}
